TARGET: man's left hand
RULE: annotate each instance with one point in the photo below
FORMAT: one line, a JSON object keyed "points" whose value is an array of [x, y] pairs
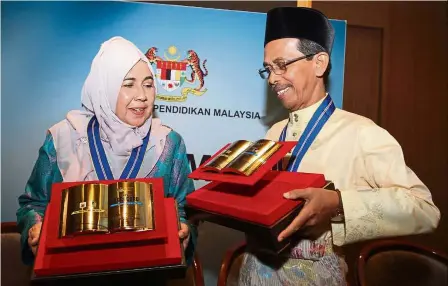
{"points": [[320, 205], [184, 234]]}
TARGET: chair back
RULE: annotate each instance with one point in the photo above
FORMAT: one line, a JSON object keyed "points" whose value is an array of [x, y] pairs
{"points": [[193, 277], [391, 263], [230, 265], [13, 271]]}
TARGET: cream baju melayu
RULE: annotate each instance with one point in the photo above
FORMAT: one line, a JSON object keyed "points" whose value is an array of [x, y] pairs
{"points": [[381, 197]]}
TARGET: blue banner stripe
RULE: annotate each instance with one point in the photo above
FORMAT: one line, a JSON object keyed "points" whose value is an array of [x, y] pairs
{"points": [[94, 155], [95, 143], [282, 138], [141, 155], [100, 150], [317, 122], [99, 157], [128, 167], [310, 133]]}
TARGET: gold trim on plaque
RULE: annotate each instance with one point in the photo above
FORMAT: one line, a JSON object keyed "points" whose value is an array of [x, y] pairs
{"points": [[63, 216]]}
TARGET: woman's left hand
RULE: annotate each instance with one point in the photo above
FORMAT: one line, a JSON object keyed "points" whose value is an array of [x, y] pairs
{"points": [[184, 234]]}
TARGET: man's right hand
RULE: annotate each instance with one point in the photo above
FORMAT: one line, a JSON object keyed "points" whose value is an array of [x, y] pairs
{"points": [[33, 237]]}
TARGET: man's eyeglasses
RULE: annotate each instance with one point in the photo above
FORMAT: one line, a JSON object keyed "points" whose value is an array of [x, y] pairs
{"points": [[280, 67]]}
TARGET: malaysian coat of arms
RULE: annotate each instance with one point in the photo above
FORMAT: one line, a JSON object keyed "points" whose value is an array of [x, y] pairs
{"points": [[171, 73]]}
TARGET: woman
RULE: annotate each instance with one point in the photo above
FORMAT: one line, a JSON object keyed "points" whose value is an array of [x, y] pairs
{"points": [[118, 97]]}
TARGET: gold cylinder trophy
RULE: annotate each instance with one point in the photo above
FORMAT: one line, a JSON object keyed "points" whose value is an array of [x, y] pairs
{"points": [[242, 157], [130, 206], [84, 210], [254, 156], [100, 208], [228, 155]]}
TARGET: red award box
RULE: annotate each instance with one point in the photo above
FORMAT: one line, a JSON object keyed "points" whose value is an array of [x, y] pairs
{"points": [[105, 254], [252, 204]]}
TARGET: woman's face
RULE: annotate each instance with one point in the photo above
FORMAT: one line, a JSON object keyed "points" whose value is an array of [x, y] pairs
{"points": [[136, 97]]}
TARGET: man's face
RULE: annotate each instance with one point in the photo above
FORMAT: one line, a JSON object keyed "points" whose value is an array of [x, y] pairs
{"points": [[296, 85]]}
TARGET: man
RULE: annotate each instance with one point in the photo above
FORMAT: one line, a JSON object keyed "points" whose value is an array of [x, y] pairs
{"points": [[378, 195]]}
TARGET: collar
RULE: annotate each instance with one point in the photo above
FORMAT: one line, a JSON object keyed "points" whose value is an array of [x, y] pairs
{"points": [[299, 118]]}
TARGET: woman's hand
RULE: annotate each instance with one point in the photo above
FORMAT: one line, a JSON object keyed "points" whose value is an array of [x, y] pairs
{"points": [[184, 234], [33, 236]]}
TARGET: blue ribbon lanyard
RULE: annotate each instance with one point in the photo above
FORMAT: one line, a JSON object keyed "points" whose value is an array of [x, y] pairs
{"points": [[317, 122], [99, 158]]}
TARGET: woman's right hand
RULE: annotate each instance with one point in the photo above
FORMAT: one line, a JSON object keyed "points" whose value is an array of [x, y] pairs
{"points": [[33, 237]]}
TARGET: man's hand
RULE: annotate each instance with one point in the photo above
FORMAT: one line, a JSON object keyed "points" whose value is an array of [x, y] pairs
{"points": [[184, 234], [320, 205], [33, 236]]}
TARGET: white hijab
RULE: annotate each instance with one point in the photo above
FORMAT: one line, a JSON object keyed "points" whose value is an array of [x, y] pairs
{"points": [[114, 60], [100, 93]]}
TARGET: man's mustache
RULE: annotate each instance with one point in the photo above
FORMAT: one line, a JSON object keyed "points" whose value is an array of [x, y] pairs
{"points": [[277, 87]]}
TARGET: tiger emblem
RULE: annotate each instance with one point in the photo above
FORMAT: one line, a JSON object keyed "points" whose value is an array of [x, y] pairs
{"points": [[151, 55], [194, 63], [172, 61]]}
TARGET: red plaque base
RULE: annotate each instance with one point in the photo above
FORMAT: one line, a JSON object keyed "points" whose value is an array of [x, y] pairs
{"points": [[107, 254], [259, 210]]}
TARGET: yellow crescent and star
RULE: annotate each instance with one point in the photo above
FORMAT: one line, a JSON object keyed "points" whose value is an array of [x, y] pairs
{"points": [[173, 55]]}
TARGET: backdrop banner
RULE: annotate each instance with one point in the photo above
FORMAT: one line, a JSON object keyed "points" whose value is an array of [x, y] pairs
{"points": [[206, 63]]}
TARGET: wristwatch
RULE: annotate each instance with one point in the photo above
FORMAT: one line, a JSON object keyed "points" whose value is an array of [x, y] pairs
{"points": [[338, 216]]}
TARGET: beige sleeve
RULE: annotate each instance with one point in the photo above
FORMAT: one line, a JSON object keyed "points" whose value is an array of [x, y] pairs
{"points": [[397, 203]]}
